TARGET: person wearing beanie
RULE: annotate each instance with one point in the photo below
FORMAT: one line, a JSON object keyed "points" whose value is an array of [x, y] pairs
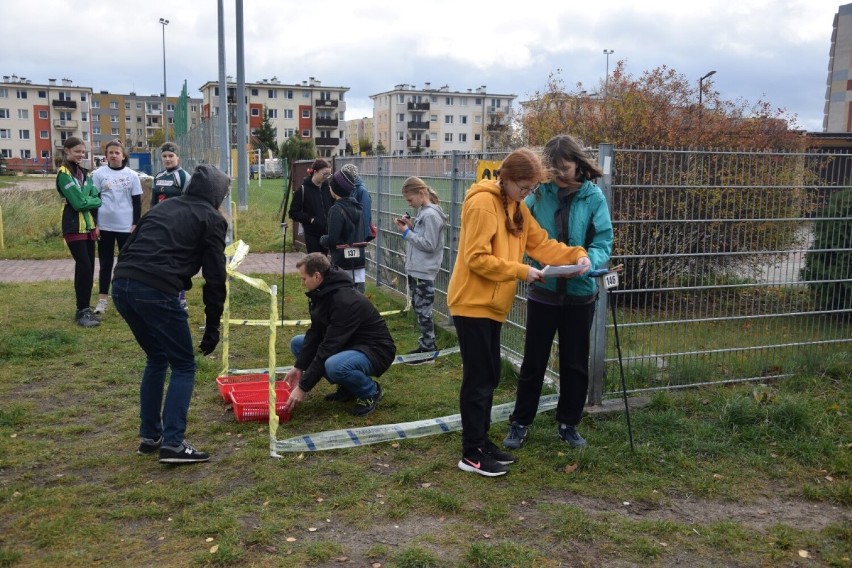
{"points": [[170, 183], [311, 202], [172, 180], [344, 238], [172, 242], [367, 229]]}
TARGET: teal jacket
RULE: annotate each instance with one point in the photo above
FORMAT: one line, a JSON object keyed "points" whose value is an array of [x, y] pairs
{"points": [[589, 226]]}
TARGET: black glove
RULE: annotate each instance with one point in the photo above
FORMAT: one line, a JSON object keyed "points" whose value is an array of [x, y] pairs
{"points": [[210, 340]]}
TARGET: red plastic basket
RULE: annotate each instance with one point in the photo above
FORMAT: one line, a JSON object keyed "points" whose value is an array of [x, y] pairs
{"points": [[228, 383], [253, 405]]}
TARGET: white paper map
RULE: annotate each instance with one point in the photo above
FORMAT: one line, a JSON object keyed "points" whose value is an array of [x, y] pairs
{"points": [[562, 270]]}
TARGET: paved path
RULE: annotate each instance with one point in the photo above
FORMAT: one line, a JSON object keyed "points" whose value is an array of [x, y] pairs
{"points": [[38, 270]]}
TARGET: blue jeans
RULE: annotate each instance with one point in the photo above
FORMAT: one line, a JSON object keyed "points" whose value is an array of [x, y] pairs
{"points": [[161, 328], [348, 369]]}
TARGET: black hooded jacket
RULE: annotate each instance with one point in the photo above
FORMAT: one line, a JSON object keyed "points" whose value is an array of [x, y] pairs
{"points": [[344, 228], [342, 319], [180, 236], [311, 203]]}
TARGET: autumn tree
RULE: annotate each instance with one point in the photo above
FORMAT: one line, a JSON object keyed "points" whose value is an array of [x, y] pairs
{"points": [[684, 210]]}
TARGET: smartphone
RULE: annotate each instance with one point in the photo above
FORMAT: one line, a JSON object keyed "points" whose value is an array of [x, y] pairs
{"points": [[406, 216]]}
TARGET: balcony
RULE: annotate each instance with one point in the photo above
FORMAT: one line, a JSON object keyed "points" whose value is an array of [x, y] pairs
{"points": [[65, 124], [417, 143], [418, 106], [326, 103], [64, 104], [496, 127], [57, 143], [495, 110], [418, 125], [327, 122], [326, 141]]}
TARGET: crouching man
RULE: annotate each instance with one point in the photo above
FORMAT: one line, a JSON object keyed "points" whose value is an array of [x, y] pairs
{"points": [[348, 342], [171, 243]]}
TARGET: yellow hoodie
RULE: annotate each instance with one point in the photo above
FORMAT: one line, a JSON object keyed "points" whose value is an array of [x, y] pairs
{"points": [[489, 262]]}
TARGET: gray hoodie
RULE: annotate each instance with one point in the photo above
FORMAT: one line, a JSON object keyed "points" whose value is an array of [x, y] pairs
{"points": [[425, 243]]}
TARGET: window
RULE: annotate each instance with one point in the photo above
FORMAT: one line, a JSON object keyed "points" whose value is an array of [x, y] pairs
{"points": [[448, 119], [42, 94], [288, 133], [400, 117], [255, 112], [449, 101], [306, 94], [288, 94], [434, 99], [400, 98], [306, 113], [22, 94], [114, 132], [138, 119], [24, 134], [5, 133], [462, 137], [448, 136], [138, 106], [126, 106], [85, 117], [43, 134], [127, 118], [6, 153], [170, 107], [254, 92], [4, 113], [64, 96], [462, 119], [272, 113], [288, 113], [26, 154], [433, 136], [82, 97], [113, 105], [495, 103], [96, 129], [113, 118], [138, 132], [306, 133], [85, 136], [433, 118], [95, 104], [477, 137], [42, 114], [45, 154], [478, 101], [463, 101], [215, 91], [4, 93], [64, 115], [271, 94], [477, 119]]}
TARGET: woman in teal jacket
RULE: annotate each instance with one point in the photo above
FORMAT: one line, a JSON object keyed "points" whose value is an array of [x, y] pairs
{"points": [[573, 210]]}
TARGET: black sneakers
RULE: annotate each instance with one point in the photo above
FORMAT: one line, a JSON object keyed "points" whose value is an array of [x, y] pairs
{"points": [[499, 455], [342, 394], [516, 436], [423, 359], [483, 464], [570, 436], [148, 446], [364, 406], [86, 318], [184, 453]]}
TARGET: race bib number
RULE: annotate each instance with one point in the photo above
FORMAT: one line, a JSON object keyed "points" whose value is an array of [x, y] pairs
{"points": [[610, 280], [351, 252]]}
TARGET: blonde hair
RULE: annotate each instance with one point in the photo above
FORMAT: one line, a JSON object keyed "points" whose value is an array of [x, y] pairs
{"points": [[414, 185]]}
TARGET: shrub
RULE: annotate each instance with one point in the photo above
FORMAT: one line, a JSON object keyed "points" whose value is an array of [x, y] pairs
{"points": [[828, 261]]}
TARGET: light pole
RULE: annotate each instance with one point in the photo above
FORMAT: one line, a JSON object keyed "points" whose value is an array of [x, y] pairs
{"points": [[701, 92], [165, 23], [607, 52]]}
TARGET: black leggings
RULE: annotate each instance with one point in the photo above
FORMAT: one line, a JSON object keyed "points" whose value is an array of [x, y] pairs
{"points": [[106, 255], [83, 253]]}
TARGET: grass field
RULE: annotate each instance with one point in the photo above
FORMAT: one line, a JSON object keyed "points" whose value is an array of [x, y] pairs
{"points": [[753, 475]]}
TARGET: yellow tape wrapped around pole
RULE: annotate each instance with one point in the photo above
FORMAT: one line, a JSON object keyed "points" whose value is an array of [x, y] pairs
{"points": [[273, 416]]}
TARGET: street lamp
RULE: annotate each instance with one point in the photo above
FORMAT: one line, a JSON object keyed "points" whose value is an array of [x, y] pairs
{"points": [[165, 23], [701, 91], [607, 52]]}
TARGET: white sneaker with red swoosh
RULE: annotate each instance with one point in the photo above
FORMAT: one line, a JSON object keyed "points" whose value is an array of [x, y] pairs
{"points": [[483, 464]]}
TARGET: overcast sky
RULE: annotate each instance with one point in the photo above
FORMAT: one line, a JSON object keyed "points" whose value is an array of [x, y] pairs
{"points": [[772, 49]]}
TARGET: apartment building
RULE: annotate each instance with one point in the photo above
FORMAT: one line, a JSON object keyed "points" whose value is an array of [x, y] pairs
{"points": [[407, 120], [135, 119], [837, 115], [308, 110], [35, 120], [358, 131]]}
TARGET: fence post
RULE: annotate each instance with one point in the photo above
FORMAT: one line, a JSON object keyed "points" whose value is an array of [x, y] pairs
{"points": [[598, 339], [381, 196]]}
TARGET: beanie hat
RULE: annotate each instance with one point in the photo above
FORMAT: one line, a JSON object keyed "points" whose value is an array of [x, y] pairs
{"points": [[351, 171], [169, 147], [342, 183]]}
